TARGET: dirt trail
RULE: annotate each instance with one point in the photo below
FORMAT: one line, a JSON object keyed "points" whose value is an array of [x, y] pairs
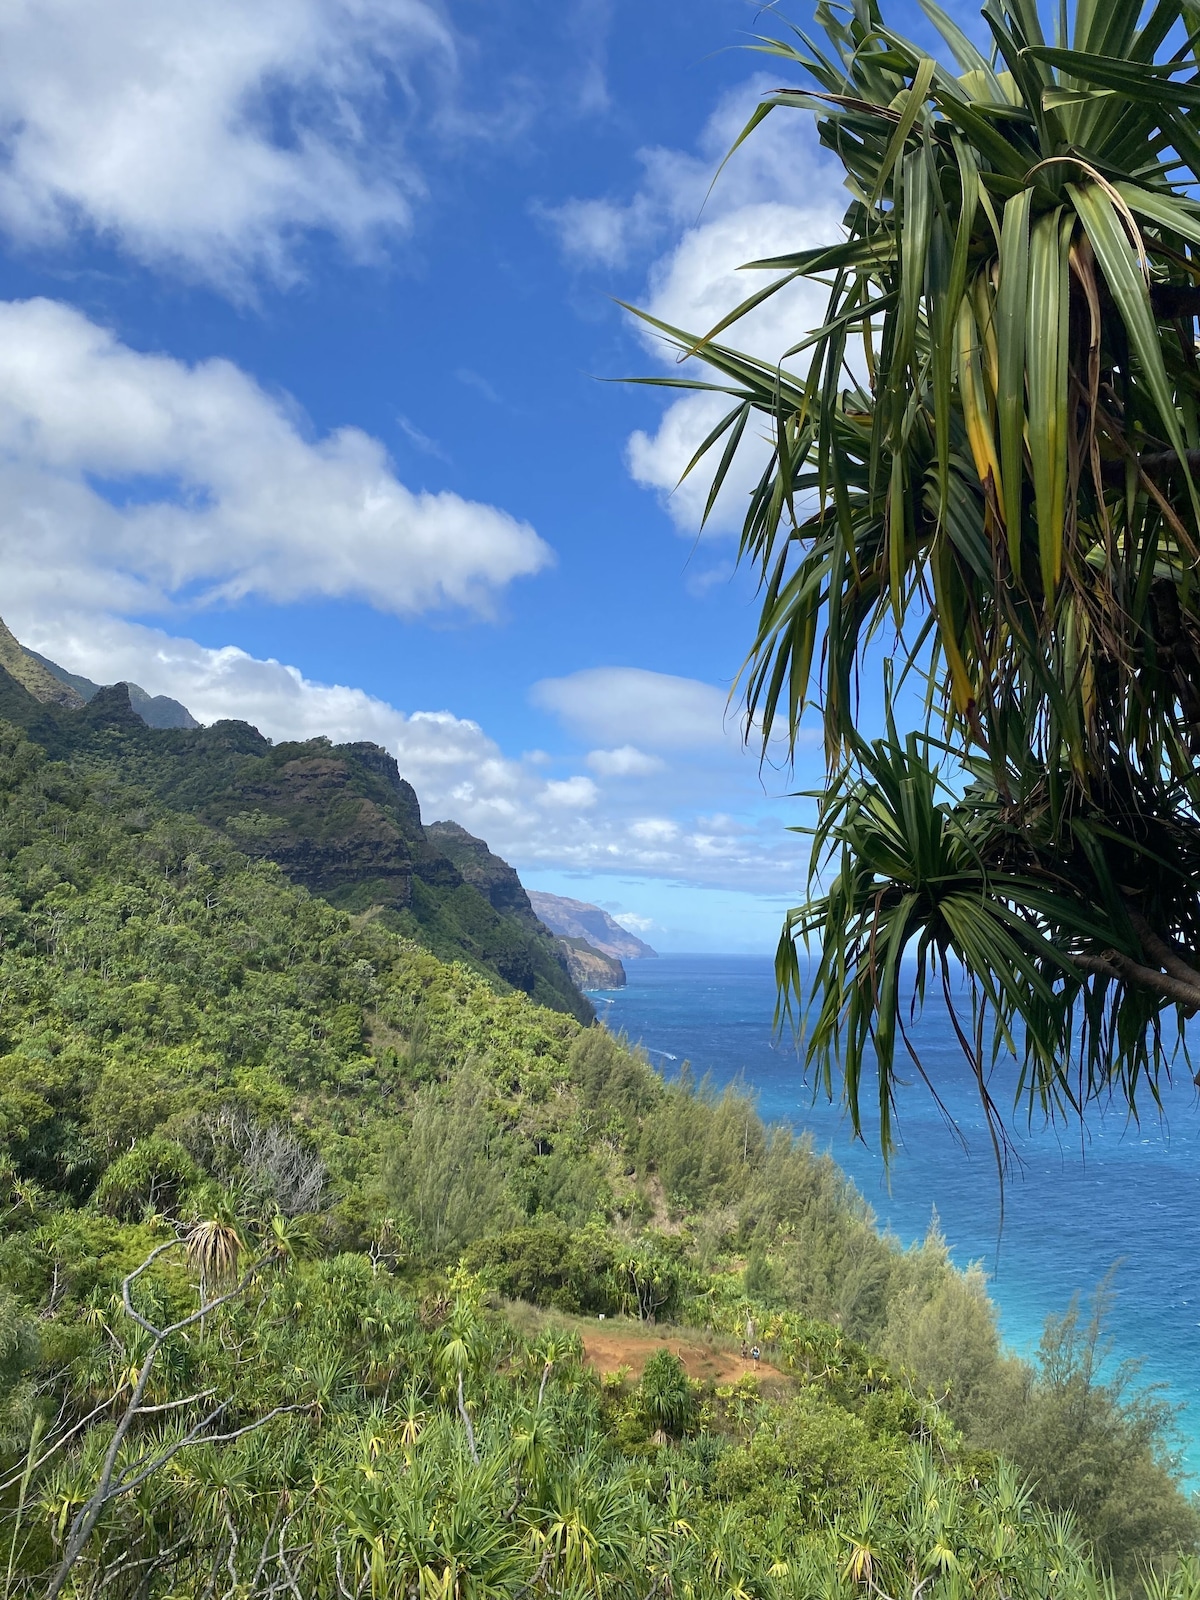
{"points": [[608, 1348]]}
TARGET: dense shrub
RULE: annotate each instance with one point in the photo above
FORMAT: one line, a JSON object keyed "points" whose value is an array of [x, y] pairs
{"points": [[188, 1039], [551, 1265]]}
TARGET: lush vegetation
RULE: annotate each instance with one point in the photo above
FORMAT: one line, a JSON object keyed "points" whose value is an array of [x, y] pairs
{"points": [[305, 1231], [338, 819]]}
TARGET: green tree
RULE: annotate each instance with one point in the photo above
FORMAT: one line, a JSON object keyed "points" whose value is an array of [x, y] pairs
{"points": [[448, 1174], [18, 1359], [986, 453], [1091, 1440], [665, 1393]]}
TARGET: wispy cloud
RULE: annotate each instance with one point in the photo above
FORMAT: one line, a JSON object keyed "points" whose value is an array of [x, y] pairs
{"points": [[631, 707], [476, 381], [422, 441], [210, 139]]}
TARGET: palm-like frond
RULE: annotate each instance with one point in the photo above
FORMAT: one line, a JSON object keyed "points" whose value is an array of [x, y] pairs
{"points": [[1011, 491]]}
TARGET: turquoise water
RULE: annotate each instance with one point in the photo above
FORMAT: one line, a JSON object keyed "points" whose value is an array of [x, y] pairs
{"points": [[1075, 1206]]}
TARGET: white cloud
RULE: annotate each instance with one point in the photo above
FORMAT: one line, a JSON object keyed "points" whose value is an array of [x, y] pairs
{"points": [[701, 280], [595, 231], [634, 922], [128, 481], [538, 822], [621, 705], [676, 189], [655, 830], [210, 136], [627, 761], [578, 793], [777, 194], [692, 288]]}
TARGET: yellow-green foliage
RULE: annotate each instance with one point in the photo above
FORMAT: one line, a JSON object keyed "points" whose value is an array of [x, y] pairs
{"points": [[194, 1054]]}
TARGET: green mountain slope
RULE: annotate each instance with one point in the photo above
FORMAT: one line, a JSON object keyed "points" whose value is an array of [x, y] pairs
{"points": [[35, 675], [338, 819], [155, 710], [51, 684], [349, 1151]]}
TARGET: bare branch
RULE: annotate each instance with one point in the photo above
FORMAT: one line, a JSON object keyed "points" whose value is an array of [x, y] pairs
{"points": [[174, 1405], [462, 1408], [88, 1514], [196, 1436], [1112, 964], [10, 1483]]}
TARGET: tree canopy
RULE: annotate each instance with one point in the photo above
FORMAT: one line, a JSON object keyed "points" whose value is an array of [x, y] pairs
{"points": [[986, 462], [306, 1238]]}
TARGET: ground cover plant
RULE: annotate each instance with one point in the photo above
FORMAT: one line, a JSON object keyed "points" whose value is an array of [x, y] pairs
{"points": [[282, 1192]]}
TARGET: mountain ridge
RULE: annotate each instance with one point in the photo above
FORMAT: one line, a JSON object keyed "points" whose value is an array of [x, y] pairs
{"points": [[338, 819], [51, 684], [155, 710], [578, 919]]}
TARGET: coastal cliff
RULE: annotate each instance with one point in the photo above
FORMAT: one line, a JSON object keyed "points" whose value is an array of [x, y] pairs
{"points": [[338, 819], [576, 919], [591, 968]]}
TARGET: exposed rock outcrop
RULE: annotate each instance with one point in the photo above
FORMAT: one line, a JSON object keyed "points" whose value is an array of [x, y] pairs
{"points": [[339, 820], [591, 968], [576, 919]]}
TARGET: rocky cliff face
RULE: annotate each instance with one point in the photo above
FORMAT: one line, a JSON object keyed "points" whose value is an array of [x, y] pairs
{"points": [[339, 820], [590, 968], [491, 875], [576, 919], [502, 888]]}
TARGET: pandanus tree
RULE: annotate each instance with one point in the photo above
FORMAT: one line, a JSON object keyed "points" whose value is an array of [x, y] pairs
{"points": [[985, 465]]}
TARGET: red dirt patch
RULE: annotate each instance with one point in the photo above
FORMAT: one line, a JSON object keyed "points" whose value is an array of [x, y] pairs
{"points": [[610, 1348]]}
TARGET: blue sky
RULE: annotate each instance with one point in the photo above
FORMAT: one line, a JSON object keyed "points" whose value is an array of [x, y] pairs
{"points": [[306, 312]]}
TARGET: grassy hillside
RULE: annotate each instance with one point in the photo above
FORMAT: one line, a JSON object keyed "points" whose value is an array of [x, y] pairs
{"points": [[404, 1199], [338, 819]]}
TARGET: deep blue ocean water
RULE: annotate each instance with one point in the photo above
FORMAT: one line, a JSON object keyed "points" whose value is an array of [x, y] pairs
{"points": [[1076, 1205]]}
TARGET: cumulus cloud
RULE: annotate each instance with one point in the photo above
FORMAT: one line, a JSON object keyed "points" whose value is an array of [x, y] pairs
{"points": [[778, 193], [675, 190], [655, 830], [576, 794], [536, 820], [692, 287], [627, 761], [636, 707], [129, 481], [210, 137]]}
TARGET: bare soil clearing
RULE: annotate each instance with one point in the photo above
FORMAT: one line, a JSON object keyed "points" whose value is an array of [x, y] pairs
{"points": [[618, 1342], [608, 1347]]}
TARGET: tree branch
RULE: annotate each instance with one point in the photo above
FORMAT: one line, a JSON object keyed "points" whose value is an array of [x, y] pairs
{"points": [[462, 1407], [196, 1436], [1153, 461], [1163, 952], [89, 1513], [1112, 964]]}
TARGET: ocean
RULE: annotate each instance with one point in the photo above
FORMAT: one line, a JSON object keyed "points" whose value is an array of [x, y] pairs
{"points": [[1079, 1203]]}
